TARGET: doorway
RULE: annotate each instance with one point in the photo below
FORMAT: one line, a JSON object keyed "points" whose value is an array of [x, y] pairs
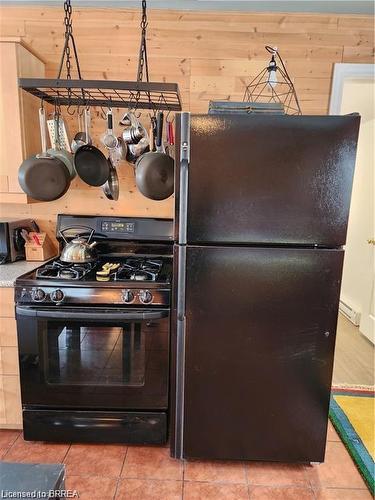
{"points": [[353, 90]]}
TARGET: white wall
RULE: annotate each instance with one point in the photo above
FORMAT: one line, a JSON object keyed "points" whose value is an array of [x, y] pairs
{"points": [[358, 276]]}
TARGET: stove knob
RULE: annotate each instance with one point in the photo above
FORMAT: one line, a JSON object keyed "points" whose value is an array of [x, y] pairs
{"points": [[57, 295], [128, 296], [38, 295], [145, 297]]}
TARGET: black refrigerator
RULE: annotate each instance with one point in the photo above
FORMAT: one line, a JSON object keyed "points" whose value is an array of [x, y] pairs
{"points": [[262, 205]]}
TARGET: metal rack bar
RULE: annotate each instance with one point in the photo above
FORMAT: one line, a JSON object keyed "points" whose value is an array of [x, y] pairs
{"points": [[119, 94]]}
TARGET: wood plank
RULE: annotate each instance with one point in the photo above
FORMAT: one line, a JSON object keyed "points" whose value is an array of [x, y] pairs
{"points": [[359, 55], [2, 403], [212, 55], [12, 397], [7, 302], [9, 361], [8, 332]]}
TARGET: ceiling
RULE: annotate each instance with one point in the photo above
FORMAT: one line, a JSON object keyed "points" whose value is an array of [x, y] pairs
{"points": [[317, 6]]}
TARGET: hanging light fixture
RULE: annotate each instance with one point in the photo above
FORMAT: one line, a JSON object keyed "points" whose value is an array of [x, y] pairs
{"points": [[273, 85]]}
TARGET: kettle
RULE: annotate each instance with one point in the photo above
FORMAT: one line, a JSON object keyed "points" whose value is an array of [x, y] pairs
{"points": [[79, 250]]}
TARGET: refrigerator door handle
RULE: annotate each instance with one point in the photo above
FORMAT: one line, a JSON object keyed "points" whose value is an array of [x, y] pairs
{"points": [[180, 353], [181, 283], [184, 176]]}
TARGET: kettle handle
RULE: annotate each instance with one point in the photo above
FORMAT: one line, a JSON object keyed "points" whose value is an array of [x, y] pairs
{"points": [[62, 231]]}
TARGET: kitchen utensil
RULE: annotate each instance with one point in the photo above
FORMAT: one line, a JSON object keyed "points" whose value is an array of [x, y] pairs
{"points": [[109, 139], [58, 152], [77, 139], [154, 171], [36, 239], [152, 135], [170, 149], [91, 165], [82, 138], [24, 235], [79, 249], [136, 150], [62, 134], [119, 152], [170, 133], [111, 187], [107, 269], [134, 130], [43, 177]]}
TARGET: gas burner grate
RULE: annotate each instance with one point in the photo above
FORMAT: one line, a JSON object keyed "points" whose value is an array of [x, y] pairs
{"points": [[63, 270], [139, 269]]}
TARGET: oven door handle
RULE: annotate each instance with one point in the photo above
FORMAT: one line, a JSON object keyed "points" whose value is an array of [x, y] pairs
{"points": [[92, 314]]}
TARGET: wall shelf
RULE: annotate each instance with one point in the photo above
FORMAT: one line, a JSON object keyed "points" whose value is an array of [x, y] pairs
{"points": [[105, 93]]}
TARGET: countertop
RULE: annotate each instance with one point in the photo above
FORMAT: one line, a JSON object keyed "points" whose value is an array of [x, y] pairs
{"points": [[11, 271]]}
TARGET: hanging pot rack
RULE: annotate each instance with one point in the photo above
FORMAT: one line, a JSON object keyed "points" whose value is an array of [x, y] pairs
{"points": [[70, 92]]}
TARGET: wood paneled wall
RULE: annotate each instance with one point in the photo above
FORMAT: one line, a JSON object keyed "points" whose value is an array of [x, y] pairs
{"points": [[210, 55]]}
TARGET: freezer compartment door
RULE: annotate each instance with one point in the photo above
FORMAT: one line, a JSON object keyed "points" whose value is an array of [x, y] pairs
{"points": [[270, 179], [259, 346]]}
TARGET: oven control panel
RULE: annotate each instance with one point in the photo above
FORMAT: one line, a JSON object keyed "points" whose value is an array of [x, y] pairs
{"points": [[117, 226], [92, 296]]}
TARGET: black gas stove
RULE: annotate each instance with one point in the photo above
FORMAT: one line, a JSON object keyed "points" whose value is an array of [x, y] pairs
{"points": [[94, 337], [136, 272]]}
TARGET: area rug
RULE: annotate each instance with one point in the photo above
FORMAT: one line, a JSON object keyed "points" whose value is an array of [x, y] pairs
{"points": [[352, 414]]}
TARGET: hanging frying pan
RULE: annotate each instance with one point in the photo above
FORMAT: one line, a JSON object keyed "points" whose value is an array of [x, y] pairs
{"points": [[154, 171], [91, 165], [44, 177], [111, 187]]}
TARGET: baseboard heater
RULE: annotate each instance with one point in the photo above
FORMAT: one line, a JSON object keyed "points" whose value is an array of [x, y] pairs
{"points": [[350, 313]]}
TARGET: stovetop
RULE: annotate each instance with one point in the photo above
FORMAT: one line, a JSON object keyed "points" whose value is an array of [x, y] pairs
{"points": [[141, 280], [130, 268]]}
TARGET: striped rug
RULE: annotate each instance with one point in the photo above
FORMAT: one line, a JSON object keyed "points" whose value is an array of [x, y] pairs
{"points": [[352, 414]]}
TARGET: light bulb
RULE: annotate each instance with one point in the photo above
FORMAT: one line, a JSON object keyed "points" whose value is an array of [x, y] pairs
{"points": [[272, 78]]}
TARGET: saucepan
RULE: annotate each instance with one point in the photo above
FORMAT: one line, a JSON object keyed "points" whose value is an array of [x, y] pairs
{"points": [[154, 171]]}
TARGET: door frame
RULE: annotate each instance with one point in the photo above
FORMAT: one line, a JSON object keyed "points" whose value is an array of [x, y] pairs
{"points": [[342, 72]]}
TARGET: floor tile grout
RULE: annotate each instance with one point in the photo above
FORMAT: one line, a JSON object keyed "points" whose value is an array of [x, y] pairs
{"points": [[120, 476], [310, 474], [246, 479], [67, 451], [183, 479], [8, 448]]}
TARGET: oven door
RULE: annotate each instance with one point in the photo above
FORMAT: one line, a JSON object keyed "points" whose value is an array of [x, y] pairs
{"points": [[94, 357]]}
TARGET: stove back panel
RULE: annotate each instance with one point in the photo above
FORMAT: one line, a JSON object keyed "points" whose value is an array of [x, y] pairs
{"points": [[116, 228]]}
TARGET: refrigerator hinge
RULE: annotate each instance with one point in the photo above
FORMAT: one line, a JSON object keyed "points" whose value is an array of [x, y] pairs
{"points": [[185, 137]]}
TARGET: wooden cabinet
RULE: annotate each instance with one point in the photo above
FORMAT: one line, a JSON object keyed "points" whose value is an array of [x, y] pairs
{"points": [[10, 393], [19, 130]]}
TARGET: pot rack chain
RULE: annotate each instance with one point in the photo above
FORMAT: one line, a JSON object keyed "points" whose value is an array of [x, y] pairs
{"points": [[143, 62], [68, 37], [139, 94]]}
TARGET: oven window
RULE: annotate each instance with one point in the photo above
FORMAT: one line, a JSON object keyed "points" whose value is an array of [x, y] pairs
{"points": [[95, 355]]}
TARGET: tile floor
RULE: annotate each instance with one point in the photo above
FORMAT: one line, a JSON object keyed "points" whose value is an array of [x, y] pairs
{"points": [[141, 473]]}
